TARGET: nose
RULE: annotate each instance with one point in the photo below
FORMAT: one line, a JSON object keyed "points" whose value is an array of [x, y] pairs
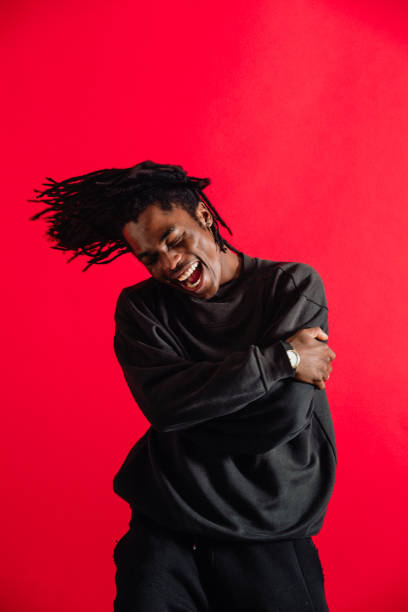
{"points": [[169, 260]]}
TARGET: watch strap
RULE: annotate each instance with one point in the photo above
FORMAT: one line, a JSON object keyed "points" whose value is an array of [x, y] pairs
{"points": [[287, 346]]}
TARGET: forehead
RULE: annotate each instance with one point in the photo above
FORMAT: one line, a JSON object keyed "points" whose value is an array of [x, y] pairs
{"points": [[153, 223]]}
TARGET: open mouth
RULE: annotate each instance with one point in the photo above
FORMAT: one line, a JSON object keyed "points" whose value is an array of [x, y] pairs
{"points": [[191, 278]]}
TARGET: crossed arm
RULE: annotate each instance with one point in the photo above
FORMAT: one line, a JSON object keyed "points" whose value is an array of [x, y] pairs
{"points": [[176, 393]]}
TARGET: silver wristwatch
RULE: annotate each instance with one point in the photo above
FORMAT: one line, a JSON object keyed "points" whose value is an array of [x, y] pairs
{"points": [[294, 358], [293, 355]]}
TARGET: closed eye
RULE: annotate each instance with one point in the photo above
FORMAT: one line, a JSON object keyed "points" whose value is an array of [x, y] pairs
{"points": [[152, 259], [176, 241]]}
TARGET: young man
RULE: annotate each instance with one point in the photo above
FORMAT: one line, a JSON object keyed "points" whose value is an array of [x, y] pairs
{"points": [[227, 357]]}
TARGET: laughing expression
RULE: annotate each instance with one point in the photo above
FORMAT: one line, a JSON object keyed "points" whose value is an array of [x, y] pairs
{"points": [[177, 249]]}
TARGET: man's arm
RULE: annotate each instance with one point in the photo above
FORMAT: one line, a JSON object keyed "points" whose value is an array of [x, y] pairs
{"points": [[175, 393]]}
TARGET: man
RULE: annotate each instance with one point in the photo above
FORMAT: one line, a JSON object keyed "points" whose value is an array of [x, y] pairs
{"points": [[227, 357]]}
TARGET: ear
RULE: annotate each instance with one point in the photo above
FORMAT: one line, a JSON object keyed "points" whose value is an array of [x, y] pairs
{"points": [[203, 215]]}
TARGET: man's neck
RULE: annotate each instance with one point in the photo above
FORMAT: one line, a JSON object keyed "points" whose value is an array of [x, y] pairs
{"points": [[231, 266]]}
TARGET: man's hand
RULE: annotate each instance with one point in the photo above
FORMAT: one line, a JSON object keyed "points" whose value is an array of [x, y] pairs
{"points": [[315, 357]]}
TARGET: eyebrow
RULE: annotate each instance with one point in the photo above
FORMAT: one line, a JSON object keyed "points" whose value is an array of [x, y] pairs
{"points": [[162, 239]]}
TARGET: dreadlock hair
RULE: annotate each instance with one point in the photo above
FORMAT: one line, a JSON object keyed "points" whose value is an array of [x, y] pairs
{"points": [[86, 213]]}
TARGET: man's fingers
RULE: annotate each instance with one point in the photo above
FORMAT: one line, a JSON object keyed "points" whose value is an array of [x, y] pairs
{"points": [[317, 332]]}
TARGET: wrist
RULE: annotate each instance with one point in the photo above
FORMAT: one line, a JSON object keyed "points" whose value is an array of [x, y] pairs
{"points": [[292, 354]]}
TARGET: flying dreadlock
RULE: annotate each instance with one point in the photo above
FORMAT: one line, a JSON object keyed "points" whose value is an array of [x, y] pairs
{"points": [[87, 213]]}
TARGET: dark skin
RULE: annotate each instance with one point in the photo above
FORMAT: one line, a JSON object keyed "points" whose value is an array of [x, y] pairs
{"points": [[170, 243]]}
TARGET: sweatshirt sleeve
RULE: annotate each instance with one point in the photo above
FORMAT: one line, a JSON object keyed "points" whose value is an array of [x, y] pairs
{"points": [[175, 393]]}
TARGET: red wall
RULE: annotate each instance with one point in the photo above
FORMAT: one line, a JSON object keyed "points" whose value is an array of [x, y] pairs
{"points": [[298, 112]]}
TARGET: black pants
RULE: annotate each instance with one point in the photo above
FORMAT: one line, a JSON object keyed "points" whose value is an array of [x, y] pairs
{"points": [[162, 571]]}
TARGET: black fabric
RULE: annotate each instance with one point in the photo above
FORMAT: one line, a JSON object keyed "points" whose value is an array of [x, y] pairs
{"points": [[238, 449], [159, 571]]}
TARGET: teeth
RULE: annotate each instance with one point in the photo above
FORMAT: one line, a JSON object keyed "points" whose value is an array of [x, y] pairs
{"points": [[188, 272], [194, 284]]}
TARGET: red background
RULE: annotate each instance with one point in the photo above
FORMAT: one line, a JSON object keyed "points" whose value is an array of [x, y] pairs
{"points": [[297, 111]]}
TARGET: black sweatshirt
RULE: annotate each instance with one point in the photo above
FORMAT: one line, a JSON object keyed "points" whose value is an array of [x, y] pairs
{"points": [[238, 449]]}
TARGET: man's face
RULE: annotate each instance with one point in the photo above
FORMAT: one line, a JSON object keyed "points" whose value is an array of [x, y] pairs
{"points": [[177, 249]]}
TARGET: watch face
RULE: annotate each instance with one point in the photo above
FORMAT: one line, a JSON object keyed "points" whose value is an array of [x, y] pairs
{"points": [[292, 358]]}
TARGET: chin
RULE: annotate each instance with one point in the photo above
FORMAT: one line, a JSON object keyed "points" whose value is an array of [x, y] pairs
{"points": [[209, 293]]}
